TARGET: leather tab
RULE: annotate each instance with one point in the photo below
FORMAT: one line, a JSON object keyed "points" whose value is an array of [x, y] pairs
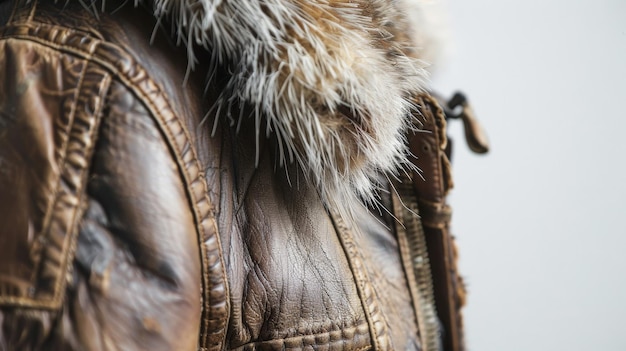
{"points": [[475, 135]]}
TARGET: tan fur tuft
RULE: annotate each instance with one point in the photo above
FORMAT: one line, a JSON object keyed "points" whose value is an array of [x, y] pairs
{"points": [[332, 79]]}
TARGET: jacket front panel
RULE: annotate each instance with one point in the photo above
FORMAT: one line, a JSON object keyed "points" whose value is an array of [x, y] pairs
{"points": [[183, 224]]}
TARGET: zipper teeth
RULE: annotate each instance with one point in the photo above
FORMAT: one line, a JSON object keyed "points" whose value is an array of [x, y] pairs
{"points": [[428, 321]]}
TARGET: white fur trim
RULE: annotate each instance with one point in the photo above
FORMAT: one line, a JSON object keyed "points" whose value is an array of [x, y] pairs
{"points": [[332, 78]]}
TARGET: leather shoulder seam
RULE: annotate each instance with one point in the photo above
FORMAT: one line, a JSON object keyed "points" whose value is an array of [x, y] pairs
{"points": [[124, 68]]}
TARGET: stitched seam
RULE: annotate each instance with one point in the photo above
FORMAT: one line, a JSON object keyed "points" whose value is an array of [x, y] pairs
{"points": [[210, 215], [71, 247], [62, 169], [356, 327], [358, 280]]}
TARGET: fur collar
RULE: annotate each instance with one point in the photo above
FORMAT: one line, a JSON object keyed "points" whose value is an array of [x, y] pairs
{"points": [[332, 79]]}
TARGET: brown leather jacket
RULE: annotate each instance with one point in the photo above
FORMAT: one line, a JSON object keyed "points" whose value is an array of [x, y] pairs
{"points": [[134, 215]]}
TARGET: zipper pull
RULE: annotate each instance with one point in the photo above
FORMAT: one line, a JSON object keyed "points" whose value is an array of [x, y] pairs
{"points": [[474, 134]]}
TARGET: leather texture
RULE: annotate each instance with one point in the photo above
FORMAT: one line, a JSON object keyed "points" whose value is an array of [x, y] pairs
{"points": [[132, 219]]}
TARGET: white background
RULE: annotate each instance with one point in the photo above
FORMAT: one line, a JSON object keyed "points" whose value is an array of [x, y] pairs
{"points": [[541, 221]]}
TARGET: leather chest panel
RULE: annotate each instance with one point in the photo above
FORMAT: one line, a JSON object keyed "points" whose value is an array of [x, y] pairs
{"points": [[297, 277], [291, 285]]}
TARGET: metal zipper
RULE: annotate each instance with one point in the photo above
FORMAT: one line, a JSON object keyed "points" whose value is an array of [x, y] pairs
{"points": [[411, 235]]}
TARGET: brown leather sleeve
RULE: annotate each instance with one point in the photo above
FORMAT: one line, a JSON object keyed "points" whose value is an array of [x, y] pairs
{"points": [[98, 244]]}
